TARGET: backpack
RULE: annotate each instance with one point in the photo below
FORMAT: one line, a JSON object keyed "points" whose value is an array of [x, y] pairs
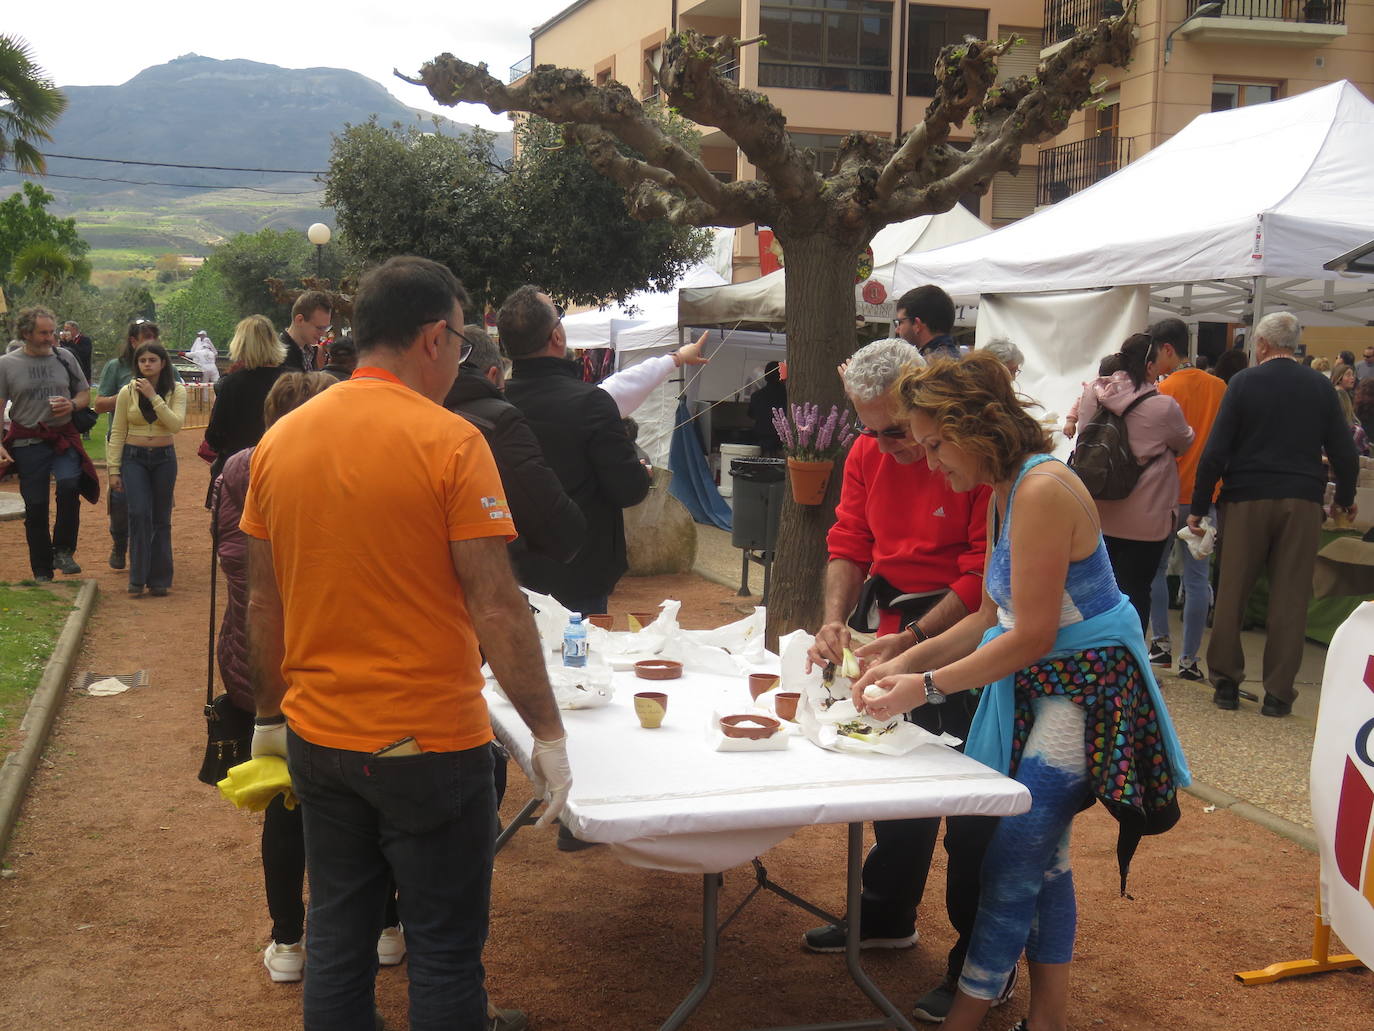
{"points": [[1103, 458]]}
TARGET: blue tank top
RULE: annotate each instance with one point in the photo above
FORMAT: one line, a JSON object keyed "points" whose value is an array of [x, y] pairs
{"points": [[1089, 589]]}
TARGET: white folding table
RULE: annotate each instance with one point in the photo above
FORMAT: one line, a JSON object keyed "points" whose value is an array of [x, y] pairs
{"points": [[666, 799]]}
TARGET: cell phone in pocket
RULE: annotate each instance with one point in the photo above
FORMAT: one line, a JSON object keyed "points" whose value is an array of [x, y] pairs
{"points": [[406, 746]]}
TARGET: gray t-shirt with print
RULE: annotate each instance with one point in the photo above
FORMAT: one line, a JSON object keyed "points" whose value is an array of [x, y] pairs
{"points": [[29, 382]]}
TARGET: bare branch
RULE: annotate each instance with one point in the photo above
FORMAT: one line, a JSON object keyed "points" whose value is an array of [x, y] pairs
{"points": [[568, 97]]}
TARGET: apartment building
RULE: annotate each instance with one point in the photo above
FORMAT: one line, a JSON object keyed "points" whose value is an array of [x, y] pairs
{"points": [[836, 66]]}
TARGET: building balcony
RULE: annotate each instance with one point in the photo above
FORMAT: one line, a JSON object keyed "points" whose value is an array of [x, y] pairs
{"points": [[1065, 170], [1297, 23], [1064, 19], [520, 69]]}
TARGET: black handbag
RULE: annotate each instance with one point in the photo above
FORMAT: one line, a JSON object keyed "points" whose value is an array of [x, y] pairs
{"points": [[84, 419], [229, 728]]}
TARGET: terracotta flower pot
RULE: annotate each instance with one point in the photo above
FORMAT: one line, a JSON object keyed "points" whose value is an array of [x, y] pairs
{"points": [[651, 707], [809, 480], [602, 620], [759, 683], [785, 705]]}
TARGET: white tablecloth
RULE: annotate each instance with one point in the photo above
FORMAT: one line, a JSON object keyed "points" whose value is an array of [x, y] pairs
{"points": [[666, 799]]}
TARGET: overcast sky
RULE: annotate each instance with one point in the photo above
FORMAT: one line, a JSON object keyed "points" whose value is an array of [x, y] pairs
{"points": [[90, 43]]}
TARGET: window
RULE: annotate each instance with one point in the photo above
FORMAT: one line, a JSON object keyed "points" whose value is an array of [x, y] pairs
{"points": [[1013, 196], [1022, 59], [648, 86], [930, 30], [1228, 95], [823, 148], [843, 45]]}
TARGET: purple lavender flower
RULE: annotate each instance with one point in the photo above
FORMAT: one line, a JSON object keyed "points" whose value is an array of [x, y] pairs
{"points": [[784, 427], [827, 430]]}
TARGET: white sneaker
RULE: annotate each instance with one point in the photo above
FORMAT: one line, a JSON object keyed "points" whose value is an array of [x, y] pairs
{"points": [[284, 963], [391, 946]]}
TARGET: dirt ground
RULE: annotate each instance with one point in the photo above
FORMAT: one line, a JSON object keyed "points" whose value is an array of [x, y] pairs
{"points": [[135, 897]]}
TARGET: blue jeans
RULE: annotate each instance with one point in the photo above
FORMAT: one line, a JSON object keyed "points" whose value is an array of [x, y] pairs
{"points": [[36, 464], [1197, 595], [430, 821], [150, 479]]}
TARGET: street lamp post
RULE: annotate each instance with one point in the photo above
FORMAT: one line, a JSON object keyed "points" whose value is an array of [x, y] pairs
{"points": [[319, 235], [1203, 10]]}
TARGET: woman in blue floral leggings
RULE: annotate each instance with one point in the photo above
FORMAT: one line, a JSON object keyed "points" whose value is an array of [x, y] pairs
{"points": [[1070, 709]]}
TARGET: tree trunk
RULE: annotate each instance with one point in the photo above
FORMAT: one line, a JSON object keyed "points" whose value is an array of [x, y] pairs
{"points": [[820, 335]]}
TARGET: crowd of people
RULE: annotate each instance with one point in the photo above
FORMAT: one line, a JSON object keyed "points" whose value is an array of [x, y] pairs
{"points": [[1019, 603]]}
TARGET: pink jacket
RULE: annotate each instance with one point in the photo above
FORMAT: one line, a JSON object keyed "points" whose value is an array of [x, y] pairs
{"points": [[1154, 427]]}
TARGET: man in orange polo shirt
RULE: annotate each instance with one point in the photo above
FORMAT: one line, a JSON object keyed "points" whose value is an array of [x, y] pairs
{"points": [[1199, 394], [375, 568]]}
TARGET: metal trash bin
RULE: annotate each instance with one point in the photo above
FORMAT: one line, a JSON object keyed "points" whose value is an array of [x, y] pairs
{"points": [[759, 486]]}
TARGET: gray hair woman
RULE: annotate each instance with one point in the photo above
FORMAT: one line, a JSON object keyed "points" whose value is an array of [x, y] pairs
{"points": [[1007, 353]]}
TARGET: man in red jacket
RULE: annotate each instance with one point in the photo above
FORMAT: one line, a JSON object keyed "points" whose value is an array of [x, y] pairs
{"points": [[908, 550]]}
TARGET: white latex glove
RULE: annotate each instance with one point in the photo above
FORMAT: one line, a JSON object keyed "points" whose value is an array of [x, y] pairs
{"points": [[552, 777], [269, 740]]}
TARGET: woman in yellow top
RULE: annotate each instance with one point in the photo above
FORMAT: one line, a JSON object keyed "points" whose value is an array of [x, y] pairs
{"points": [[143, 463]]}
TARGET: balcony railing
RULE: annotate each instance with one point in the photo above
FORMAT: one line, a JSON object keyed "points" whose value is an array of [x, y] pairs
{"points": [[521, 67], [1064, 18], [728, 67], [1063, 171], [1316, 12]]}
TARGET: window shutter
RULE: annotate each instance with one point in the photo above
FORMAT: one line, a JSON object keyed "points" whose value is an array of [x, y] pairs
{"points": [[1021, 60], [1013, 196]]}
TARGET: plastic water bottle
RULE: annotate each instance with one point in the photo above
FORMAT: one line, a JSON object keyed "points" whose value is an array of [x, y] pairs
{"points": [[575, 642]]}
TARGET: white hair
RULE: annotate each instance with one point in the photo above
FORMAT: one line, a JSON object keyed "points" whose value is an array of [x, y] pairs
{"points": [[1279, 329], [875, 368], [1005, 352]]}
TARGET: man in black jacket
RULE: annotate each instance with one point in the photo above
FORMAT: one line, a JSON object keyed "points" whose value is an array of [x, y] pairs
{"points": [[578, 426], [310, 318], [547, 520], [1266, 446]]}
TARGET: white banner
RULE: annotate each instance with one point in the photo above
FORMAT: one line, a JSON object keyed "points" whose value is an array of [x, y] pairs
{"points": [[1343, 783]]}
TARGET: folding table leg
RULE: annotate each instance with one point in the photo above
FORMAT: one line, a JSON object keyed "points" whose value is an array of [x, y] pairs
{"points": [[854, 901], [523, 818], [710, 893]]}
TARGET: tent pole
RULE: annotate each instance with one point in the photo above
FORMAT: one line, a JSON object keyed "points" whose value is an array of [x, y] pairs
{"points": [[1256, 313]]}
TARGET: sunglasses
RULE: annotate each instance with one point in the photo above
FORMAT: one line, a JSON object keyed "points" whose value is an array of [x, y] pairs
{"points": [[891, 433]]}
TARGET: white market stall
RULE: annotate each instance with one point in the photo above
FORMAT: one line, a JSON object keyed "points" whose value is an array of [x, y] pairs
{"points": [[762, 300], [1233, 216]]}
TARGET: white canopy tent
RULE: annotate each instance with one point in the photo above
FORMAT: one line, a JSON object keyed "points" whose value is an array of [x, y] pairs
{"points": [[762, 300], [1231, 218], [600, 327], [1258, 198]]}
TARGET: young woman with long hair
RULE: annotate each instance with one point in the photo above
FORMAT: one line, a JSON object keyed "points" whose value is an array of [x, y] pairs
{"points": [[142, 462]]}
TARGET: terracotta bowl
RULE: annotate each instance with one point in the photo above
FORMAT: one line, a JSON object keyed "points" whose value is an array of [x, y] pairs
{"points": [[785, 704], [755, 728], [761, 682], [602, 620], [658, 669], [644, 618]]}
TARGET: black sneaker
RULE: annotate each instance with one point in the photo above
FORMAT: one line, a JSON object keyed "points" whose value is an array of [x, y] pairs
{"points": [[116, 558], [933, 1007], [1160, 654], [830, 938], [1190, 671], [1226, 695], [506, 1020], [63, 560], [42, 578], [1275, 706]]}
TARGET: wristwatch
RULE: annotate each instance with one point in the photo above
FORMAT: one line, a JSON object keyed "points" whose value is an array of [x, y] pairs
{"points": [[934, 696], [274, 721]]}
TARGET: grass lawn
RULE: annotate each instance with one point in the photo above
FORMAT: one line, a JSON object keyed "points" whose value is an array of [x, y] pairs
{"points": [[31, 619], [95, 447]]}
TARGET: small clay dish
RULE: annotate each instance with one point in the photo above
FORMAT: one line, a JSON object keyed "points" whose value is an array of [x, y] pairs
{"points": [[755, 728], [785, 705], [644, 618], [602, 620], [760, 683], [658, 669]]}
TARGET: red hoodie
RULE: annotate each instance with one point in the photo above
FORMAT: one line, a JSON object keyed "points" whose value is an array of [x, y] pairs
{"points": [[905, 524]]}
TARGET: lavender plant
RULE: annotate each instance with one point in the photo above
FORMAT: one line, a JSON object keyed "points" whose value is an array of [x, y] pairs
{"points": [[807, 438]]}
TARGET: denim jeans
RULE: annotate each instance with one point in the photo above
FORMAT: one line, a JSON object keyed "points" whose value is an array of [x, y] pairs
{"points": [[1197, 595], [150, 479], [36, 464], [430, 821]]}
